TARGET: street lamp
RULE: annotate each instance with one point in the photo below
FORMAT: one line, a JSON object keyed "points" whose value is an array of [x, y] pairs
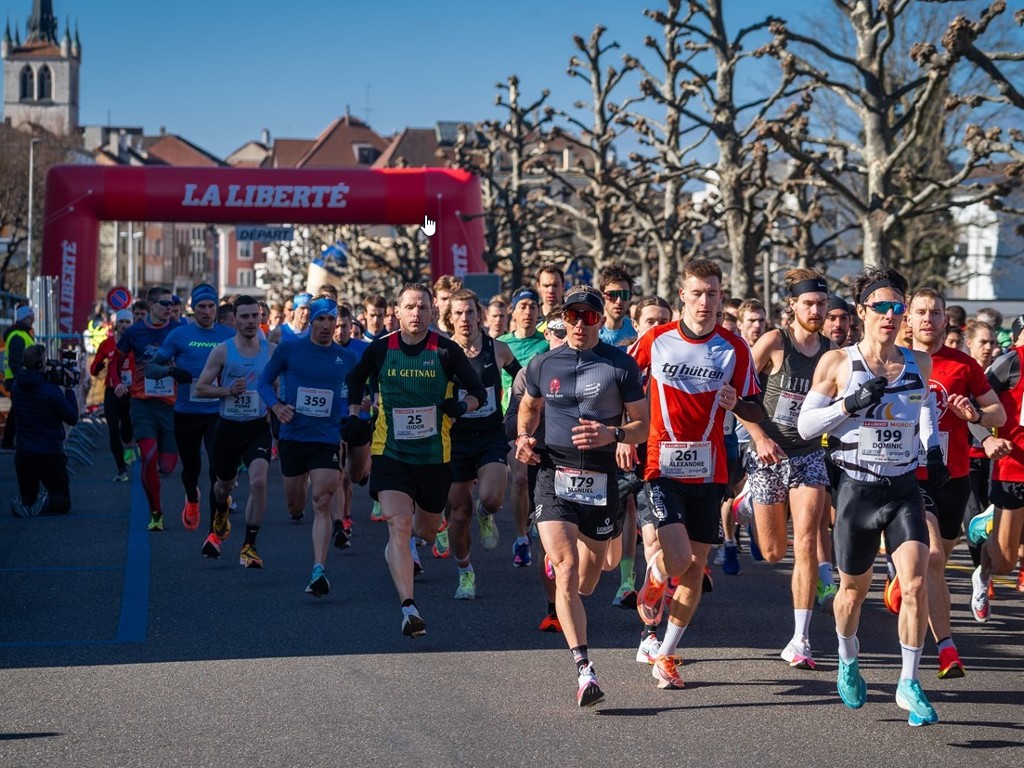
{"points": [[31, 205]]}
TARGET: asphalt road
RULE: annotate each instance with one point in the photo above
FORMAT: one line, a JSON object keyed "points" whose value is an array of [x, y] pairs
{"points": [[123, 648]]}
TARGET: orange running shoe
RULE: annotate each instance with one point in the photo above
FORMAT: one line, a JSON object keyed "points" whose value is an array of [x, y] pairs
{"points": [[1020, 579], [650, 600], [550, 623], [665, 671], [892, 596], [190, 515]]}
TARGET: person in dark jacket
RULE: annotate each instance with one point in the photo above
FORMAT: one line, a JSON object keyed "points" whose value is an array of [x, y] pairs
{"points": [[42, 408]]}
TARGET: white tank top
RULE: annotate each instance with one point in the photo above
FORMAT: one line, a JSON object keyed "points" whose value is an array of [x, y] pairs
{"points": [[882, 440]]}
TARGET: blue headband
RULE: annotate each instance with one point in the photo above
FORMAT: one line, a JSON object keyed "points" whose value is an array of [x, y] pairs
{"points": [[322, 306], [203, 292], [301, 300], [525, 293]]}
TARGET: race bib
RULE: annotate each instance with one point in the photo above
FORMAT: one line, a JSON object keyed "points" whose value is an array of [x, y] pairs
{"points": [[414, 423], [248, 405], [314, 402], [886, 442], [159, 387], [193, 397], [922, 452], [686, 461], [787, 409], [486, 408], [126, 377], [729, 423], [581, 486]]}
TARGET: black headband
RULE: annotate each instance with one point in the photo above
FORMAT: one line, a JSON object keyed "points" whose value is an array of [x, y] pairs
{"points": [[814, 285], [883, 283], [834, 302]]}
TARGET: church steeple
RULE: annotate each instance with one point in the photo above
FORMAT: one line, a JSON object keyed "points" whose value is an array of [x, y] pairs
{"points": [[42, 24]]}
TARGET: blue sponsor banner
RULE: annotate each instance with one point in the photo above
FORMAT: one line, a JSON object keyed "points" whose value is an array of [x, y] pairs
{"points": [[262, 233]]}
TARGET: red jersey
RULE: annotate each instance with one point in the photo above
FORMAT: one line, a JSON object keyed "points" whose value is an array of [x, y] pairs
{"points": [[687, 441], [1010, 468], [105, 355], [954, 373]]}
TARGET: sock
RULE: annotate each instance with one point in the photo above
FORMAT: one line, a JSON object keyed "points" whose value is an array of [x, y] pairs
{"points": [[551, 609], [673, 634], [825, 573], [192, 494], [467, 568], [336, 526], [946, 643], [522, 540], [649, 629], [579, 657], [250, 534], [627, 571], [410, 603], [911, 662], [848, 647], [801, 623], [730, 542]]}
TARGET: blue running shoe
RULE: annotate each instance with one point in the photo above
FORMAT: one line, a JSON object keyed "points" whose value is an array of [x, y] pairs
{"points": [[851, 686], [755, 551], [521, 555], [730, 561], [910, 697], [318, 585], [980, 527]]}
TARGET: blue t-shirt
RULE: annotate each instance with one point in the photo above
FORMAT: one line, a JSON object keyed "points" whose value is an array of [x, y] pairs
{"points": [[144, 341], [314, 386], [189, 346], [621, 338]]}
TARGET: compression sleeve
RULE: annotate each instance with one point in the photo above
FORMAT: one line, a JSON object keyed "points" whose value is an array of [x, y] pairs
{"points": [[819, 415], [1004, 373], [513, 367], [157, 368], [929, 422], [979, 432]]}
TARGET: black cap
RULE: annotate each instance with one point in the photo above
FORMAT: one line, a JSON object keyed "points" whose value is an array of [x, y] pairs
{"points": [[834, 302], [584, 294]]}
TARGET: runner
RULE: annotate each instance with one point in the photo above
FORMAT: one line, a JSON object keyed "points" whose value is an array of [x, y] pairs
{"points": [[784, 469], [374, 310], [445, 286], [314, 369], [416, 371], [550, 289], [152, 408], [616, 286], [581, 389], [962, 395], [873, 401], [117, 401], [697, 371], [242, 434], [183, 356], [837, 321], [980, 338], [297, 325], [479, 445]]}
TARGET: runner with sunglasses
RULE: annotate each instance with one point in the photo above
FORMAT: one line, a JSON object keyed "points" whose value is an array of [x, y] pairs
{"points": [[616, 286], [581, 390], [873, 401]]}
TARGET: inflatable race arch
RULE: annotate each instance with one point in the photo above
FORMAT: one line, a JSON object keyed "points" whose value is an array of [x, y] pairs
{"points": [[79, 197]]}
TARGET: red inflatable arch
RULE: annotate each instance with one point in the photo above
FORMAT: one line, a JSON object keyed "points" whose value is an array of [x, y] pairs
{"points": [[79, 197]]}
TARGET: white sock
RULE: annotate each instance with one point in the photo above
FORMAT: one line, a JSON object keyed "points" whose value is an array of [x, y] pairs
{"points": [[673, 634], [848, 647], [659, 577], [467, 569], [801, 623], [825, 573], [730, 542], [911, 661]]}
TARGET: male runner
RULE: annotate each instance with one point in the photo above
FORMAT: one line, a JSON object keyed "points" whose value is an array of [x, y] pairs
{"points": [[697, 371], [416, 371], [297, 325], [752, 320], [873, 401], [837, 321], [616, 286], [444, 287], [242, 433], [550, 289], [582, 389], [116, 397], [980, 339], [355, 458], [374, 310]]}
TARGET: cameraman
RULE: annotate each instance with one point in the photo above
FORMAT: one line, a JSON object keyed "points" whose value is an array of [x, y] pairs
{"points": [[42, 409]]}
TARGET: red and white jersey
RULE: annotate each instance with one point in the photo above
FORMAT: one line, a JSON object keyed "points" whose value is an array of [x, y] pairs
{"points": [[687, 441]]}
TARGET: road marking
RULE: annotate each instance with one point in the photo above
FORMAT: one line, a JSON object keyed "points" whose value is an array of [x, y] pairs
{"points": [[134, 620]]}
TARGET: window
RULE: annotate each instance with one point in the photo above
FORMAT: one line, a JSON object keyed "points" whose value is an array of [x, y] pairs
{"points": [[245, 250], [45, 83], [247, 277], [28, 84], [365, 154]]}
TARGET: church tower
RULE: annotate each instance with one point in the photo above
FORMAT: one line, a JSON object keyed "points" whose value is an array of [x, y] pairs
{"points": [[41, 74]]}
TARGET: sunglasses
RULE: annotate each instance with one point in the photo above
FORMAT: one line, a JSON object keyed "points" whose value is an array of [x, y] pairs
{"points": [[616, 295], [558, 333], [164, 302], [883, 307], [588, 316]]}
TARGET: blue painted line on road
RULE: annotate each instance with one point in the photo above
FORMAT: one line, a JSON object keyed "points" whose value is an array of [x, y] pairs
{"points": [[134, 619]]}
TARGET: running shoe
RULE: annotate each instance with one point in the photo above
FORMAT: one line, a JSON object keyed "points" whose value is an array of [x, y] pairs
{"points": [[950, 666], [296, 516], [851, 686], [910, 697], [211, 547], [708, 583], [441, 548], [550, 623], [626, 596], [798, 655], [413, 624], [18, 509], [893, 595], [827, 596], [730, 561], [1020, 579], [376, 514], [650, 602], [589, 692], [221, 524], [991, 589], [467, 586], [190, 515], [743, 506], [156, 521], [665, 670], [341, 537], [719, 557], [755, 551], [318, 585], [980, 527], [346, 524], [417, 566], [488, 528], [521, 555], [249, 558], [979, 597], [121, 477], [648, 651], [129, 456]]}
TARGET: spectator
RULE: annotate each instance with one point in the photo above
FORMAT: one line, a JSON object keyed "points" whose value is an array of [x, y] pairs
{"points": [[17, 340]]}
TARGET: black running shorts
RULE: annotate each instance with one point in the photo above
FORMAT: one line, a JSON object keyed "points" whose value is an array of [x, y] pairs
{"points": [[947, 504], [298, 457], [236, 442], [426, 484], [597, 522], [698, 506], [470, 452]]}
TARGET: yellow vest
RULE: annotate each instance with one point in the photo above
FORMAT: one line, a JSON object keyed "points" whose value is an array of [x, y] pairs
{"points": [[29, 341]]}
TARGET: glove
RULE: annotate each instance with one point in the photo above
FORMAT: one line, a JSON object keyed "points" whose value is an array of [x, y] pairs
{"points": [[870, 393], [356, 431], [454, 408], [938, 474], [180, 375]]}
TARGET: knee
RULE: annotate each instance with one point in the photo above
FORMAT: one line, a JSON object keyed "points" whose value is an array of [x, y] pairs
{"points": [[772, 553], [400, 525], [913, 589], [257, 484], [676, 565]]}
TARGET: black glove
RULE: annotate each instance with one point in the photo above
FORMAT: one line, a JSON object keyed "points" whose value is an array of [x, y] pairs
{"points": [[180, 375], [454, 408], [938, 473], [870, 393], [356, 431]]}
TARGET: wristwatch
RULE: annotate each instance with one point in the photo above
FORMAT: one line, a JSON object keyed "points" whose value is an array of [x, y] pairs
{"points": [[620, 435]]}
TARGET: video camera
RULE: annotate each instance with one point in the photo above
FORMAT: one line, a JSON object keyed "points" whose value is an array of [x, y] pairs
{"points": [[65, 372]]}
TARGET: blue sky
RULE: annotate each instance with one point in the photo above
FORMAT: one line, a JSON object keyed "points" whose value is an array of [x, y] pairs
{"points": [[219, 71]]}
